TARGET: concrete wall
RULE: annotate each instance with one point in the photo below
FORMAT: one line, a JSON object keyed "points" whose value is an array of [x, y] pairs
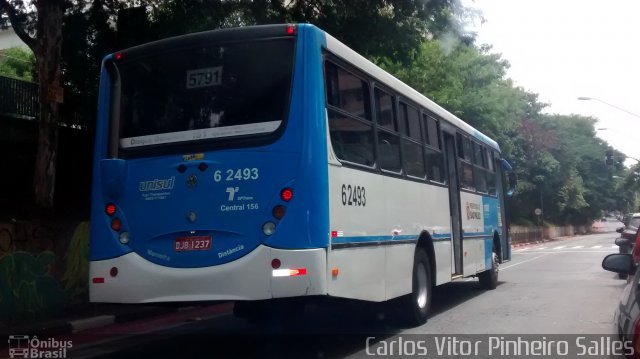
{"points": [[8, 38], [520, 234]]}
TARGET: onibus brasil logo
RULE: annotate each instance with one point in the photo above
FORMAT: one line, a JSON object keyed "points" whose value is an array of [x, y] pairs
{"points": [[23, 346]]}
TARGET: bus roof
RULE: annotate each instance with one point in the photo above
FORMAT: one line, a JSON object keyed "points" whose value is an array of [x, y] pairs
{"points": [[342, 50]]}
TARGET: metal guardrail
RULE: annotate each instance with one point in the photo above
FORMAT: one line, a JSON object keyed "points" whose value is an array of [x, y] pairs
{"points": [[18, 98]]}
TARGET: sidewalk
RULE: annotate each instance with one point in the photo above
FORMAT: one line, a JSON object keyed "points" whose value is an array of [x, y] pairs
{"points": [[546, 240], [99, 315]]}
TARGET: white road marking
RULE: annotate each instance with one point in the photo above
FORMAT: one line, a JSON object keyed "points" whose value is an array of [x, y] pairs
{"points": [[525, 261], [576, 247], [594, 247], [614, 246], [559, 247]]}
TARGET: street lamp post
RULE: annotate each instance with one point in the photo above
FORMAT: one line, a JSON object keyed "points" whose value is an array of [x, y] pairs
{"points": [[585, 98]]}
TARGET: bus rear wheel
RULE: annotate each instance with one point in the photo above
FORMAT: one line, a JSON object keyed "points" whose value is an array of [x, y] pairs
{"points": [[415, 306], [489, 278]]}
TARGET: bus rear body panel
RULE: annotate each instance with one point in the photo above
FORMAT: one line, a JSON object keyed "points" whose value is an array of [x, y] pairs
{"points": [[192, 215]]}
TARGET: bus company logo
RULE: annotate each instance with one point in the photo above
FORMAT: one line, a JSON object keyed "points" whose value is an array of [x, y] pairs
{"points": [[23, 346], [156, 184], [193, 157], [473, 210]]}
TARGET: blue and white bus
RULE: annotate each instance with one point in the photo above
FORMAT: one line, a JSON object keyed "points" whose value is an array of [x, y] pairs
{"points": [[269, 162]]}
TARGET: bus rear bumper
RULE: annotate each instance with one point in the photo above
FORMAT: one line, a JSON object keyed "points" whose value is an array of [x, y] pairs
{"points": [[248, 278]]}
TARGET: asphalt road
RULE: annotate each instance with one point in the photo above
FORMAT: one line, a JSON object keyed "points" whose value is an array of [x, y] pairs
{"points": [[556, 287]]}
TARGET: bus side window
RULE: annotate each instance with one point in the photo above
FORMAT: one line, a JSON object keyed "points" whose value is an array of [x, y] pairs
{"points": [[491, 174], [347, 91], [433, 149], [479, 173], [385, 111], [412, 159], [388, 139], [350, 126], [464, 163]]}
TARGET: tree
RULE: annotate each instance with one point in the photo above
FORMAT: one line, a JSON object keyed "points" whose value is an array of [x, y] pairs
{"points": [[39, 26]]}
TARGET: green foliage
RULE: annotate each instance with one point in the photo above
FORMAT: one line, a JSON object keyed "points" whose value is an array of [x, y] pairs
{"points": [[17, 62], [27, 291], [558, 159], [76, 274], [399, 27]]}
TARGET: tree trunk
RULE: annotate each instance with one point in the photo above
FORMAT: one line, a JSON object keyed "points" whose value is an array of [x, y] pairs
{"points": [[48, 59]]}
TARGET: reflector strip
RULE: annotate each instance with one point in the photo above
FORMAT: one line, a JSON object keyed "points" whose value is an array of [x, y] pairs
{"points": [[97, 280], [289, 272]]}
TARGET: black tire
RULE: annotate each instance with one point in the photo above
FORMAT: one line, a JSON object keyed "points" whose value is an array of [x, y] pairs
{"points": [[489, 278], [415, 306], [622, 276]]}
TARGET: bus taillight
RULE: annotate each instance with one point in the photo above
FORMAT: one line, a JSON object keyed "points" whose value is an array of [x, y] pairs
{"points": [[275, 263], [286, 194], [278, 211], [110, 209], [291, 29], [116, 224], [289, 272]]}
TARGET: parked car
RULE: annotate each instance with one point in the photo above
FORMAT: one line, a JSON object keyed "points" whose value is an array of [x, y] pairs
{"points": [[627, 315], [628, 232]]}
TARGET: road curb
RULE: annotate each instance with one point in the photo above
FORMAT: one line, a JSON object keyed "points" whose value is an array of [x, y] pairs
{"points": [[92, 322], [67, 326]]}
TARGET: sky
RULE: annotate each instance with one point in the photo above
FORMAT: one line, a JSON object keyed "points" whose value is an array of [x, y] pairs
{"points": [[565, 49]]}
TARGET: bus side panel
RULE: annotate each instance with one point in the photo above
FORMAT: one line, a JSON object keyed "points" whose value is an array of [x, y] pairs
{"points": [[361, 273], [479, 223], [375, 233], [397, 275], [444, 262]]}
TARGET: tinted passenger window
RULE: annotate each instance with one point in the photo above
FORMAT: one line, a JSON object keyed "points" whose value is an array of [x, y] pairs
{"points": [[385, 112], [466, 175], [435, 165], [347, 91], [432, 127], [389, 148], [477, 154], [413, 159], [352, 140], [410, 118]]}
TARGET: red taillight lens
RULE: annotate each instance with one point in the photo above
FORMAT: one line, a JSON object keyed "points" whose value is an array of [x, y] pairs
{"points": [[275, 263], [116, 224], [110, 209], [118, 56], [286, 194], [291, 29], [278, 211]]}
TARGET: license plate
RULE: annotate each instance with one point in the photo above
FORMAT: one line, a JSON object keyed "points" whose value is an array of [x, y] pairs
{"points": [[195, 243]]}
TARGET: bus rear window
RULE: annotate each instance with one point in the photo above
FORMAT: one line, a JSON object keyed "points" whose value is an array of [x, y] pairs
{"points": [[205, 93]]}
